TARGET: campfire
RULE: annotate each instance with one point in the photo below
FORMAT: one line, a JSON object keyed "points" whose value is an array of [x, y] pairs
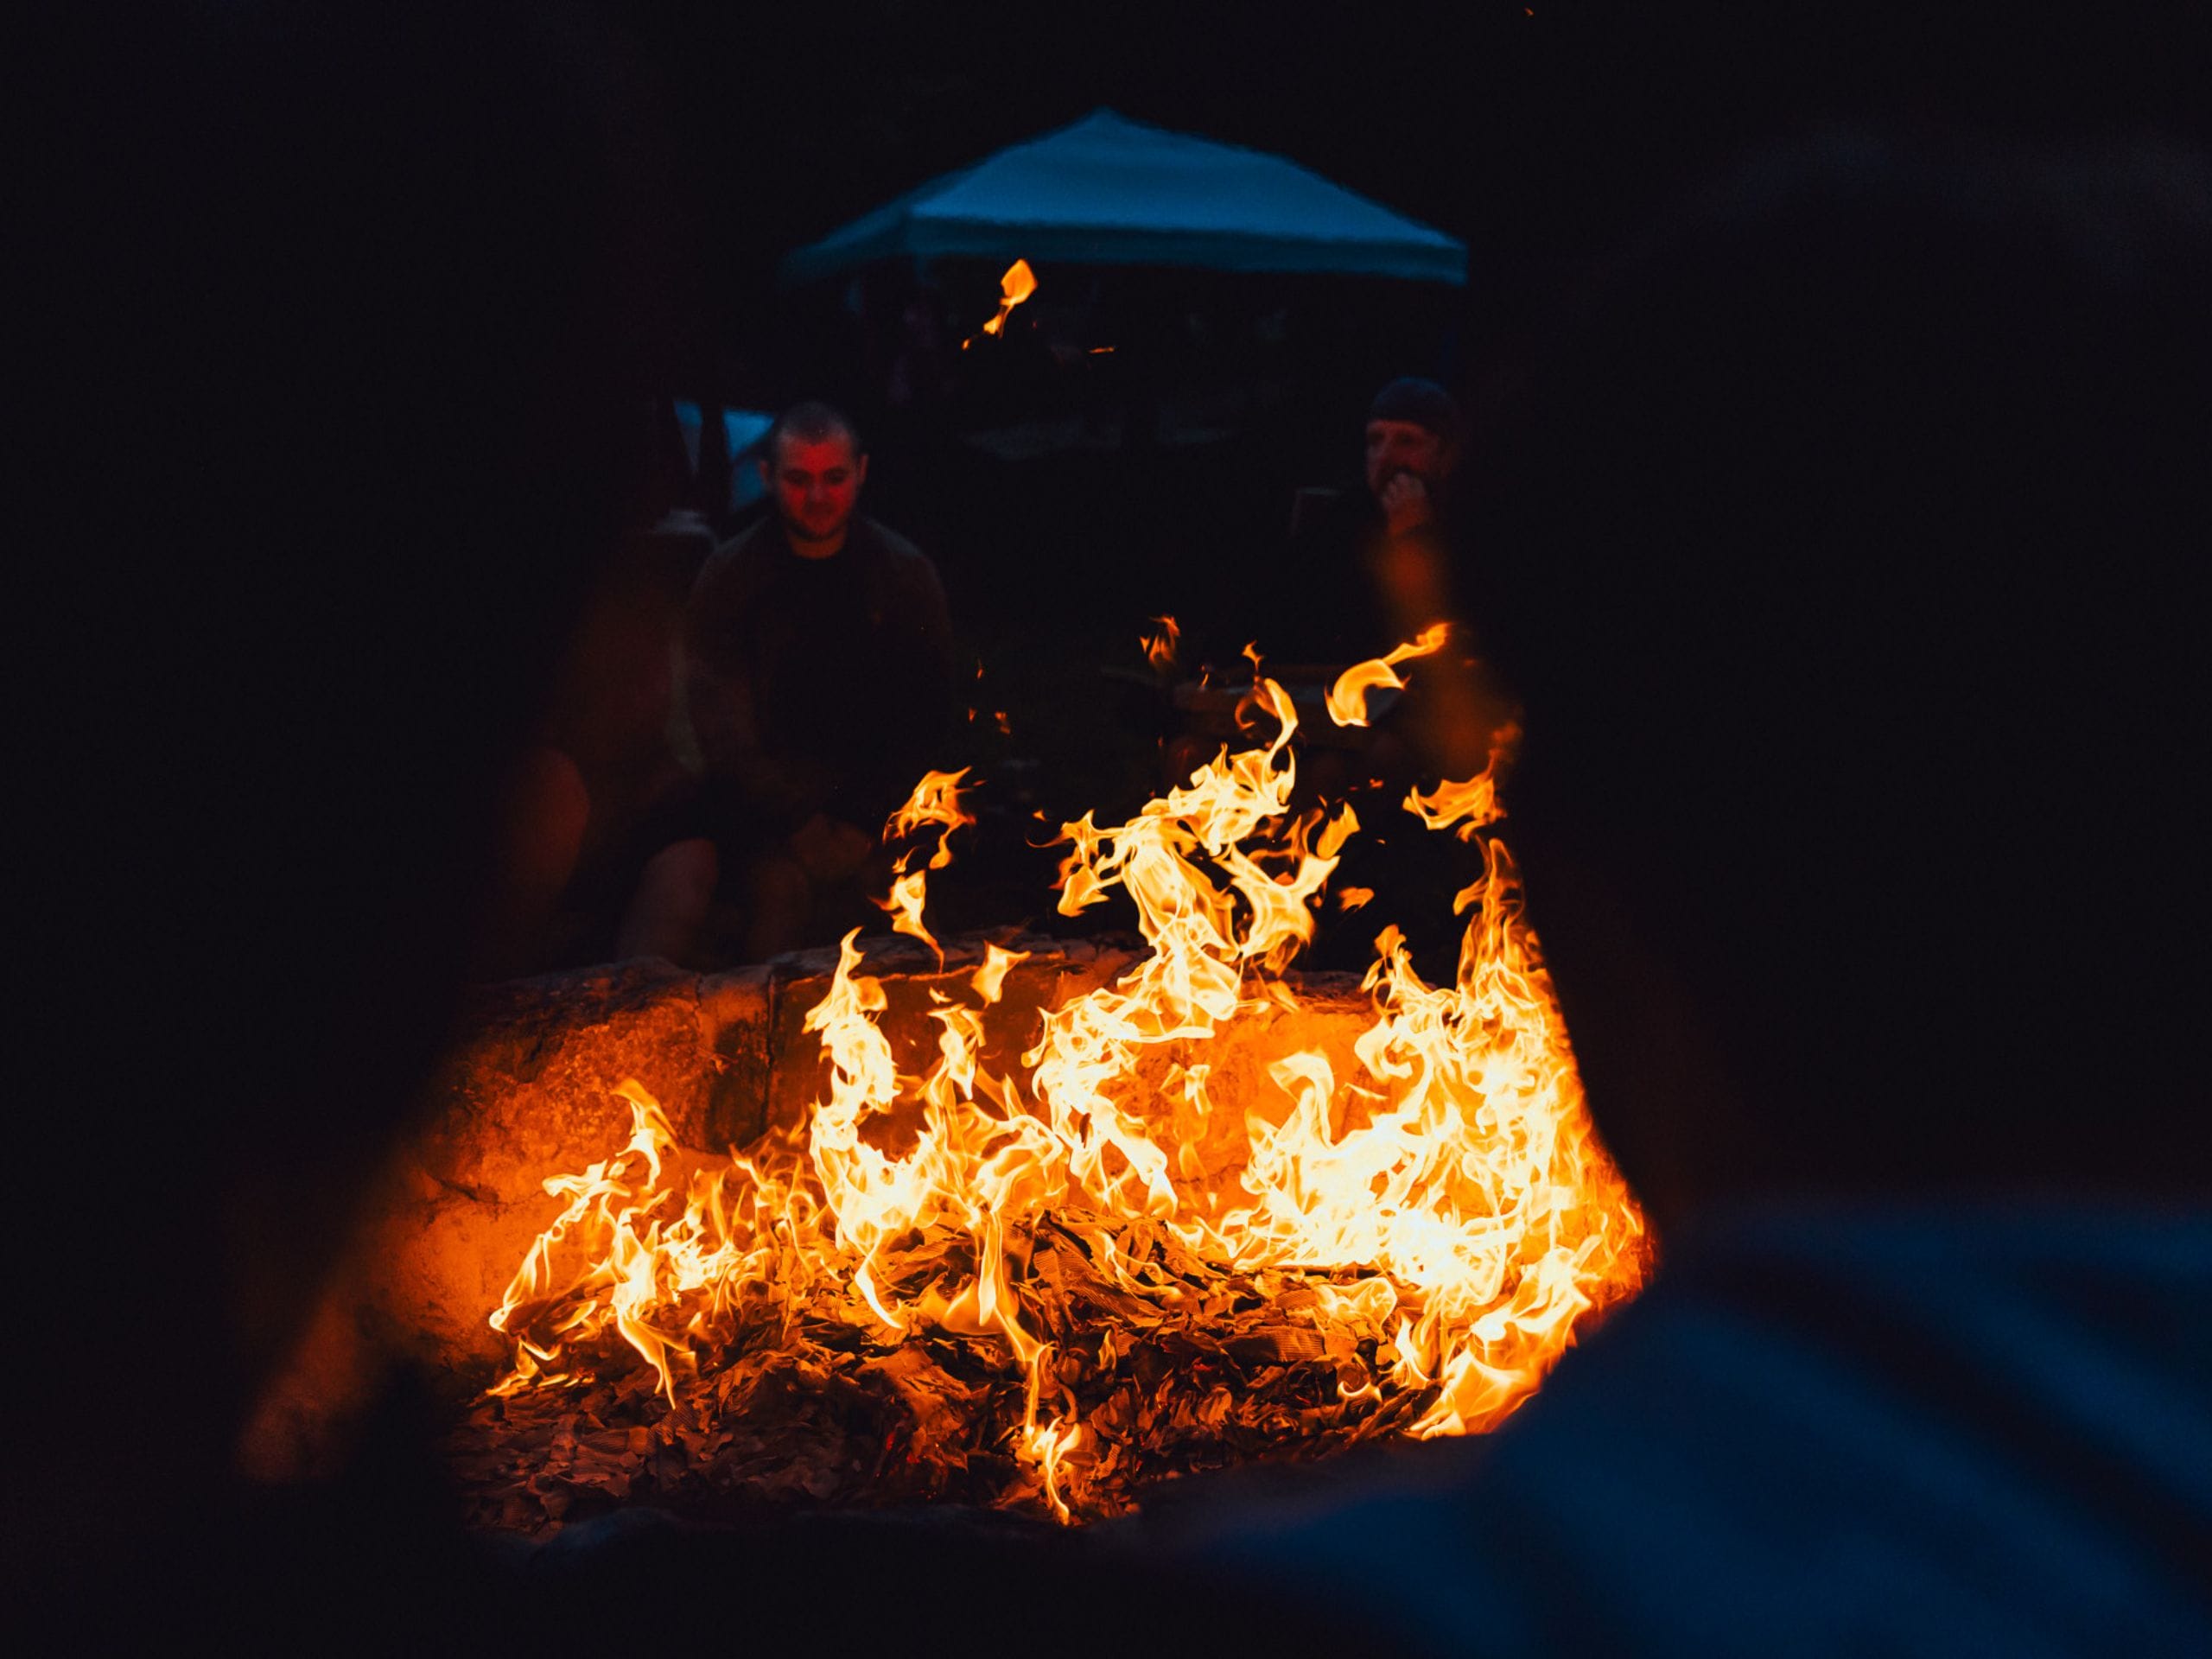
{"points": [[1136, 1255]]}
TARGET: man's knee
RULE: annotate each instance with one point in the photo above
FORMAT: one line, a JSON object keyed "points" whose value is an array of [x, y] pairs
{"points": [[778, 879], [674, 891], [547, 811], [684, 870]]}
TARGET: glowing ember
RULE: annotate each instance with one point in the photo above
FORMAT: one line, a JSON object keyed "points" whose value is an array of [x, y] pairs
{"points": [[1109, 1270]]}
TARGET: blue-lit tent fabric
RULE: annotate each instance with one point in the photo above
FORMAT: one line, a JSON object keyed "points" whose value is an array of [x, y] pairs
{"points": [[742, 428], [1111, 191]]}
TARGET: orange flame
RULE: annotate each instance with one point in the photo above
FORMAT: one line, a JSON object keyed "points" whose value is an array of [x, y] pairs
{"points": [[1161, 644], [1435, 1182], [1472, 805], [990, 978], [936, 800], [1347, 698], [1016, 285]]}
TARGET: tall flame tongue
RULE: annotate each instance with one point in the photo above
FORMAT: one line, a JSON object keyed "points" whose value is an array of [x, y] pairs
{"points": [[1437, 1187], [936, 801]]}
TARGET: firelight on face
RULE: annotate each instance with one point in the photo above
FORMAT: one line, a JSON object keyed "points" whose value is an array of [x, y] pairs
{"points": [[1394, 446], [817, 485]]}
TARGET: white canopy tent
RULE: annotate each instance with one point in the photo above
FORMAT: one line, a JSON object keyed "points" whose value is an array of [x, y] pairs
{"points": [[1111, 191]]}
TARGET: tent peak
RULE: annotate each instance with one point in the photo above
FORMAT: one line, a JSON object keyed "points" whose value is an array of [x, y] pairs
{"points": [[1107, 189]]}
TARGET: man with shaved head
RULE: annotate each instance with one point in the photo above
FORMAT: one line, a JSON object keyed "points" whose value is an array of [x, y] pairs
{"points": [[820, 664]]}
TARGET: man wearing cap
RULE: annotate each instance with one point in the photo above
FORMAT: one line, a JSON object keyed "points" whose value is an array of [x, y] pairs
{"points": [[1372, 567], [1413, 452], [1401, 549], [1373, 571]]}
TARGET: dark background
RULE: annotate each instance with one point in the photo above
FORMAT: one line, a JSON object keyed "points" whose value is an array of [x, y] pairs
{"points": [[328, 306], [1528, 131]]}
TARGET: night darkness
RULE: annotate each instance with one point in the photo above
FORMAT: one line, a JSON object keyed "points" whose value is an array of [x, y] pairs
{"points": [[344, 314], [1535, 133]]}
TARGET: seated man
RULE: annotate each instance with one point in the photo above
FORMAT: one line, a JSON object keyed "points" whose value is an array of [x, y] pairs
{"points": [[1366, 571], [1372, 570], [599, 861], [1414, 443], [820, 682], [1384, 556]]}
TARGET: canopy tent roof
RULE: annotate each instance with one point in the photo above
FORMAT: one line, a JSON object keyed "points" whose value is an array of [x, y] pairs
{"points": [[1111, 191]]}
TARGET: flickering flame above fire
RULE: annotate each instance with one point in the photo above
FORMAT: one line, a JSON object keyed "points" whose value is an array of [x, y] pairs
{"points": [[1016, 285], [1437, 1182], [1471, 805], [936, 801], [1347, 698], [1161, 644]]}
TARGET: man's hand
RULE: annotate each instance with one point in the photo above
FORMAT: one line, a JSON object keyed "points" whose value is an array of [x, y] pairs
{"points": [[830, 850], [1405, 505]]}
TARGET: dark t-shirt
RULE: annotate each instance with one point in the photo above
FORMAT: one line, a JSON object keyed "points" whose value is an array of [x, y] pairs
{"points": [[819, 685], [1354, 591], [1345, 596]]}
